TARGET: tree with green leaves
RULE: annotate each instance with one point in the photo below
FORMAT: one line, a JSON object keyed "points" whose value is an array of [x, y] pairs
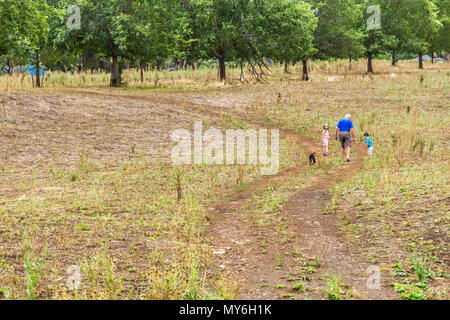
{"points": [[219, 27], [154, 36], [337, 34], [424, 26], [287, 31], [251, 31], [118, 29], [42, 16], [374, 39], [441, 41], [16, 23], [394, 27]]}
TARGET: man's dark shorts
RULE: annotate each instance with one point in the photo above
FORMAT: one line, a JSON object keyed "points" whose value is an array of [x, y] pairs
{"points": [[345, 139]]}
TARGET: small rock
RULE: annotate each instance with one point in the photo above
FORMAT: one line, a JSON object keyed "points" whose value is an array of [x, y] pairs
{"points": [[332, 79]]}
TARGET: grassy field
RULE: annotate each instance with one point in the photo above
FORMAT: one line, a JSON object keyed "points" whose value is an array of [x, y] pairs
{"points": [[86, 180], [206, 77], [395, 210]]}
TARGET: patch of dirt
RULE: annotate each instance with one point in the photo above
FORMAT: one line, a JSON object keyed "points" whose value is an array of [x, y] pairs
{"points": [[59, 127], [236, 242], [316, 237], [123, 120]]}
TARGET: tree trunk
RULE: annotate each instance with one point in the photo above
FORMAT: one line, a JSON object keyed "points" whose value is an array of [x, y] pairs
{"points": [[432, 57], [350, 63], [142, 71], [38, 71], [420, 60], [222, 71], [115, 74], [305, 76], [393, 58], [286, 67], [80, 64], [10, 67], [369, 62], [83, 62]]}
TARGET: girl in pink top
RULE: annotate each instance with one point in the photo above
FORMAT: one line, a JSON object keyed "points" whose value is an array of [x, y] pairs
{"points": [[325, 138]]}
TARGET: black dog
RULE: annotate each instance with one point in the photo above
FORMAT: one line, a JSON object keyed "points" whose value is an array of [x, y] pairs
{"points": [[312, 158]]}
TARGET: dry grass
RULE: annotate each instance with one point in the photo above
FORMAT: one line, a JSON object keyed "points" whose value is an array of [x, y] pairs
{"points": [[398, 205], [208, 77], [86, 180], [85, 177]]}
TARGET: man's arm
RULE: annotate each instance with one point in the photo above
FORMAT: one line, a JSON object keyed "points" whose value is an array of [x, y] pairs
{"points": [[336, 134], [353, 134]]}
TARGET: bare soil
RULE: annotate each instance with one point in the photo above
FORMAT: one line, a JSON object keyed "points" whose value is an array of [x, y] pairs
{"points": [[42, 128]]}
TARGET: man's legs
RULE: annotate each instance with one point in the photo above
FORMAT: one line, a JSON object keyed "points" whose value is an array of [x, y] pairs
{"points": [[346, 143]]}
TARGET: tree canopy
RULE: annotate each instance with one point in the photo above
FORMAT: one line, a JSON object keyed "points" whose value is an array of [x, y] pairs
{"points": [[252, 33]]}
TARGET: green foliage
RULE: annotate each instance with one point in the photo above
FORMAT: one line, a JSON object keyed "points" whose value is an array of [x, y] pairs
{"points": [[33, 273], [27, 29], [409, 292], [399, 271], [139, 33], [335, 288], [337, 34], [419, 266], [287, 29], [300, 287]]}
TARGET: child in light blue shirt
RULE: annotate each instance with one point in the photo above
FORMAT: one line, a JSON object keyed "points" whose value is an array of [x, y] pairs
{"points": [[369, 143]]}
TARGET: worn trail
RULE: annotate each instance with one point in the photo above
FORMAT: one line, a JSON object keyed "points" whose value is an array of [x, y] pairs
{"points": [[316, 249]]}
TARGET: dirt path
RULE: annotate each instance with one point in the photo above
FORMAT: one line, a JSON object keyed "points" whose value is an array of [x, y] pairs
{"points": [[316, 250], [261, 276]]}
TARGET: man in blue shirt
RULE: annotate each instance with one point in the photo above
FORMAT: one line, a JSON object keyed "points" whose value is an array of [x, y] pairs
{"points": [[343, 130]]}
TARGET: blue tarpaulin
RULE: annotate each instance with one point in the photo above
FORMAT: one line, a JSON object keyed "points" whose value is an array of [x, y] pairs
{"points": [[32, 70]]}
